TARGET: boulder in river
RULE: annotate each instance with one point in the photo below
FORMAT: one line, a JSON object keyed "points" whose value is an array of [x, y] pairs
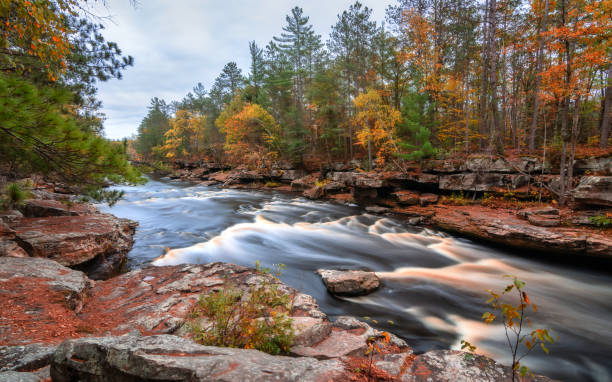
{"points": [[350, 282]]}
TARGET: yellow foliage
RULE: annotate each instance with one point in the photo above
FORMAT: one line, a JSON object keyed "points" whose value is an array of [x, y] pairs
{"points": [[375, 121]]}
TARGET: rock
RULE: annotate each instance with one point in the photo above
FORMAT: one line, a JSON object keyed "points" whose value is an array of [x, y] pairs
{"points": [[366, 180], [10, 217], [315, 192], [504, 227], [526, 212], [208, 183], [348, 338], [377, 209], [482, 182], [310, 330], [442, 166], [39, 299], [289, 175], [594, 190], [77, 241], [35, 208], [425, 199], [10, 248], [25, 358], [171, 358], [334, 187], [353, 283], [451, 366], [15, 376], [599, 166], [302, 184], [544, 220], [408, 198]]}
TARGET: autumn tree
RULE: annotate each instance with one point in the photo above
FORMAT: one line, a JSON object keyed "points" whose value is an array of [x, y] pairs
{"points": [[375, 122]]}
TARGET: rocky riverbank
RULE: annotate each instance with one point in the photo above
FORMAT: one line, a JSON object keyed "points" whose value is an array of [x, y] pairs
{"points": [[58, 323], [488, 198], [77, 235]]}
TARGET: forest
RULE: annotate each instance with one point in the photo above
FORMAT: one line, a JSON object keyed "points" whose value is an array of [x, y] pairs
{"points": [[436, 78], [52, 58]]}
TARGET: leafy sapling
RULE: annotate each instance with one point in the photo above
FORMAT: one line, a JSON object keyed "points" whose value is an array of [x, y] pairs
{"points": [[516, 325]]}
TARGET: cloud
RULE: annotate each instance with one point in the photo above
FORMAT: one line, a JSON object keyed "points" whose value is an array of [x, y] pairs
{"points": [[176, 44]]}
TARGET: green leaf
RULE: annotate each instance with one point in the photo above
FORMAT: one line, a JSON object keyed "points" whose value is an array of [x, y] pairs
{"points": [[523, 370], [544, 348]]}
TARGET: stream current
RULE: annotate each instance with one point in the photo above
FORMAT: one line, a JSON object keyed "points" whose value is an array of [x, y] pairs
{"points": [[435, 284]]}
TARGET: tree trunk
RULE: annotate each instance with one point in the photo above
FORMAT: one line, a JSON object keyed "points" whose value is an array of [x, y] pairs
{"points": [[484, 86], [536, 86], [573, 139], [604, 128]]}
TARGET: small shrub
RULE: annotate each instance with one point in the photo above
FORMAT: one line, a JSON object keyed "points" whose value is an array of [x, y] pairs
{"points": [[257, 318], [515, 320], [603, 221], [455, 199], [14, 195]]}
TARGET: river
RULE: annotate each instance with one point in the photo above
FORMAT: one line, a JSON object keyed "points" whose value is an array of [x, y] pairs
{"points": [[435, 284]]}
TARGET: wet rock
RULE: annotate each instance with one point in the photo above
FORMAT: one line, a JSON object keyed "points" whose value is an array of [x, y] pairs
{"points": [[171, 358], [377, 209], [35, 208], [25, 358], [349, 282], [408, 198], [77, 240], [425, 199], [208, 183], [594, 190], [526, 212]]}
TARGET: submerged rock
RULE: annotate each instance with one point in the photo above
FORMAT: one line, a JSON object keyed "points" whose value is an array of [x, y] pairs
{"points": [[352, 283], [171, 358]]}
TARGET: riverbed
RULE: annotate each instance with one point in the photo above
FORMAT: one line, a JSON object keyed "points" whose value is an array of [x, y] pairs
{"points": [[435, 284]]}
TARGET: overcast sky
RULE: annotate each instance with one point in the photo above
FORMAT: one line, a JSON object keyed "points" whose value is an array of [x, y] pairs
{"points": [[176, 44]]}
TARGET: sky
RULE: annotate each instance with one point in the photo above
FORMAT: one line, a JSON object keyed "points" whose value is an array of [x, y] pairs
{"points": [[178, 43]]}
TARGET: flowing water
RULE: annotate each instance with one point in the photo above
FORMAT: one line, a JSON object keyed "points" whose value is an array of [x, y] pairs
{"points": [[435, 284]]}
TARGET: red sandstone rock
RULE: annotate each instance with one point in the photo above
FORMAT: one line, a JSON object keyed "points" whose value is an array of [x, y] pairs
{"points": [[77, 240]]}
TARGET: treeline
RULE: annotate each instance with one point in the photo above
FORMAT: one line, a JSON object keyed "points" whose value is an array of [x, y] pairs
{"points": [[438, 77], [52, 54]]}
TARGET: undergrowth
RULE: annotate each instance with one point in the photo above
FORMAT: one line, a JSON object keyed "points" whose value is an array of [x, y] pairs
{"points": [[256, 318]]}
